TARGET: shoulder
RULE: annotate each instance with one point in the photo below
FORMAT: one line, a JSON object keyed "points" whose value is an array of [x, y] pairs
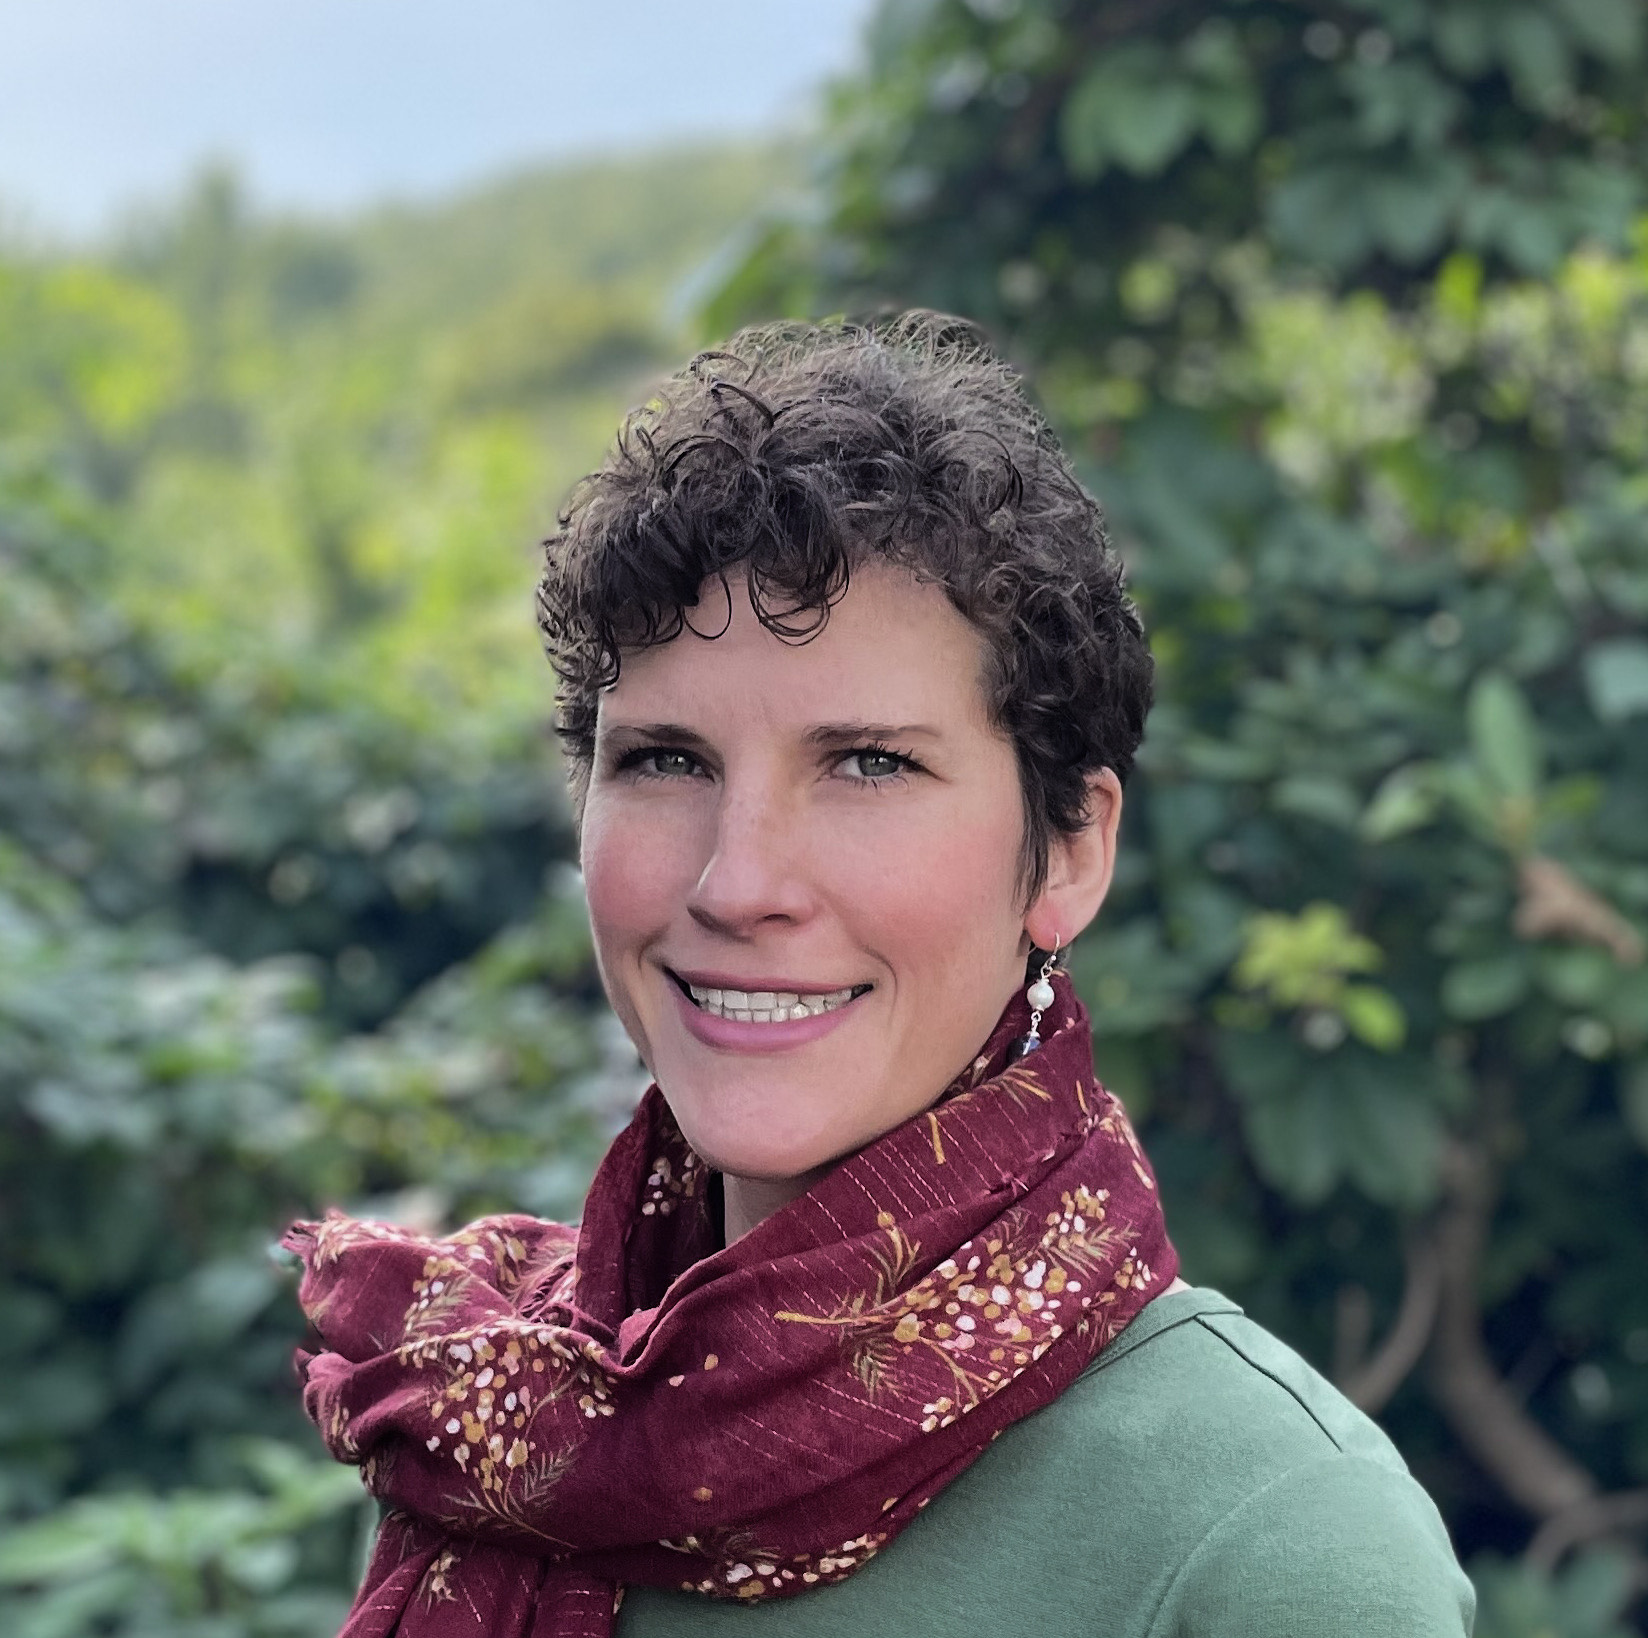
{"points": [[1336, 1541], [1195, 1380], [1273, 1504]]}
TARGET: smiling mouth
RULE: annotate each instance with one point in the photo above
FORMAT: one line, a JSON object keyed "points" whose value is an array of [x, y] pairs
{"points": [[766, 1006]]}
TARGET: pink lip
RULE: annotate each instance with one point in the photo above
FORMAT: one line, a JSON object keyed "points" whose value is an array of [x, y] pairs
{"points": [[732, 1036]]}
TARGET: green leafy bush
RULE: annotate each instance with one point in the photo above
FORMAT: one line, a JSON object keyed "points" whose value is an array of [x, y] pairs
{"points": [[194, 1564], [163, 1109]]}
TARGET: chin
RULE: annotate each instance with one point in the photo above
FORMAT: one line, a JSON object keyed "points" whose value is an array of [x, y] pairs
{"points": [[765, 1157]]}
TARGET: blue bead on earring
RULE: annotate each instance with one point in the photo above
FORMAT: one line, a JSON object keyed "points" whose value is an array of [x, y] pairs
{"points": [[1040, 996]]}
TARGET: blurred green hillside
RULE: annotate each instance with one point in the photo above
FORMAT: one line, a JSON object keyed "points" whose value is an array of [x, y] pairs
{"points": [[348, 436]]}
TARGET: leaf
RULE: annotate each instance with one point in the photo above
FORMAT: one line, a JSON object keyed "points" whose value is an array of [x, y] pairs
{"points": [[1581, 978], [1318, 215], [1477, 990], [1612, 29], [1504, 736], [1320, 797], [1301, 960], [1534, 236], [1411, 213], [1536, 55], [1616, 678], [1208, 924], [1463, 38], [1223, 760], [1085, 118], [1392, 1139], [1294, 1139], [1625, 1009], [1405, 800], [1149, 125], [1532, 233], [1472, 798], [1232, 115], [1126, 108], [1583, 1600], [1595, 1588], [1374, 1015], [1217, 1246], [73, 1543]]}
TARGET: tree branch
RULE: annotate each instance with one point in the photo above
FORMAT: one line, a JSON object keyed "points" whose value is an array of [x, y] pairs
{"points": [[1369, 1383], [1600, 1516], [1533, 1469]]}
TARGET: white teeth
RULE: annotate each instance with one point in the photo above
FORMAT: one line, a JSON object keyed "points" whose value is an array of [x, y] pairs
{"points": [[767, 1006]]}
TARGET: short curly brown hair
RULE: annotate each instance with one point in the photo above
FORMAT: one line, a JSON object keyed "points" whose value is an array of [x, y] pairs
{"points": [[794, 453]]}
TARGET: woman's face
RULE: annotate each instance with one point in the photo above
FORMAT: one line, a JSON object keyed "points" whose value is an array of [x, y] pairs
{"points": [[827, 830]]}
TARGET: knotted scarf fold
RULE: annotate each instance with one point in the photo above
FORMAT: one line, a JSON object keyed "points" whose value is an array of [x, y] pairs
{"points": [[552, 1412]]}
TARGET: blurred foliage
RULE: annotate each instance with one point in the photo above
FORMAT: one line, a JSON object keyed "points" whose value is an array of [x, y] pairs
{"points": [[1344, 309], [1583, 1600], [287, 917], [196, 1564], [163, 1109]]}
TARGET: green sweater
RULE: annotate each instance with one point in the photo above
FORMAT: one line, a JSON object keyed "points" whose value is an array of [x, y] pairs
{"points": [[1199, 1480]]}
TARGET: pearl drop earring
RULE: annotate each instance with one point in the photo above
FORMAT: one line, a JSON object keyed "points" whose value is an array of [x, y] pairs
{"points": [[1040, 996]]}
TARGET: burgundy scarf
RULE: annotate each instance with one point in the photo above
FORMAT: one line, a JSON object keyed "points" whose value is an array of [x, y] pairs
{"points": [[551, 1412]]}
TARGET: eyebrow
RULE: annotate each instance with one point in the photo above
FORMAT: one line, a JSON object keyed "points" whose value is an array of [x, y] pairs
{"points": [[824, 733], [835, 733], [674, 732]]}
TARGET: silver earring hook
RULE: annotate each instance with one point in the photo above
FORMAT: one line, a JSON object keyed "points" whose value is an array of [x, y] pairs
{"points": [[1040, 996], [1051, 964]]}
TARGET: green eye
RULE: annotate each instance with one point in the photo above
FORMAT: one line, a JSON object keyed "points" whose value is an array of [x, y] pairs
{"points": [[875, 765], [657, 762]]}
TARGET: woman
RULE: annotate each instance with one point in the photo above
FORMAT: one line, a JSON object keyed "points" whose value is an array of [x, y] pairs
{"points": [[872, 1320]]}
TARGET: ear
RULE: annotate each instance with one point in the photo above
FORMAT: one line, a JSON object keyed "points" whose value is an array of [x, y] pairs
{"points": [[1079, 868]]}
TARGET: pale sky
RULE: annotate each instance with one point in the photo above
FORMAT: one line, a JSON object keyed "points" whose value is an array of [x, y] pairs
{"points": [[323, 104]]}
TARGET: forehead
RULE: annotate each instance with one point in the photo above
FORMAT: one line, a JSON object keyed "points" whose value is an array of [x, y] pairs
{"points": [[893, 648]]}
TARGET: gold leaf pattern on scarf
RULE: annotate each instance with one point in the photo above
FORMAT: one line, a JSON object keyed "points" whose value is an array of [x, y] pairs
{"points": [[513, 1486], [1017, 1084], [869, 1319], [988, 1312]]}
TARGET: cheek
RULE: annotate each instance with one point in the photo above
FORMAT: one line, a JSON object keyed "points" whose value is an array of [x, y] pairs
{"points": [[633, 873], [943, 882]]}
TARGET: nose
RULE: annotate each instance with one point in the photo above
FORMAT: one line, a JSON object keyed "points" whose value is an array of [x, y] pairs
{"points": [[754, 875]]}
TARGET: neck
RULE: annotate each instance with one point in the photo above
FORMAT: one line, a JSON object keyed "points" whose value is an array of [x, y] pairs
{"points": [[746, 1201]]}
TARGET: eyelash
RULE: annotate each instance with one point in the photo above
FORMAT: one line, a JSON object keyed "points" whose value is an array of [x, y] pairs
{"points": [[633, 761]]}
